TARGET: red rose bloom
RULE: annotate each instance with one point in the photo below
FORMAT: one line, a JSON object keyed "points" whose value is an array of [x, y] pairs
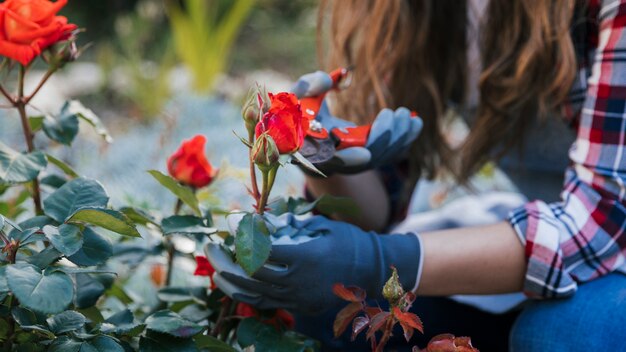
{"points": [[189, 165], [27, 27], [281, 318], [204, 268], [284, 123]]}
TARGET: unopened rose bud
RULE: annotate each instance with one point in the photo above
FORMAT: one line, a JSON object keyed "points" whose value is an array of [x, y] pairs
{"points": [[392, 291], [264, 99], [265, 153], [250, 114]]}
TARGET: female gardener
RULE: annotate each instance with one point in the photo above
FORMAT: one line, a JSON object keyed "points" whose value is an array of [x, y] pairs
{"points": [[542, 84]]}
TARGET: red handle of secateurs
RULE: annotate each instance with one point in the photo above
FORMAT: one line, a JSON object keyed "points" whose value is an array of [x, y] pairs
{"points": [[354, 136], [311, 105]]}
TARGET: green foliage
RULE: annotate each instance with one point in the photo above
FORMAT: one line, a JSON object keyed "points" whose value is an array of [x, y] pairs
{"points": [[184, 193], [19, 168], [204, 32], [252, 243], [266, 338], [45, 291], [170, 323]]}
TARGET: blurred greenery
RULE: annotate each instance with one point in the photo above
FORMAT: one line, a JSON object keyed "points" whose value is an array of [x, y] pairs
{"points": [[138, 44]]}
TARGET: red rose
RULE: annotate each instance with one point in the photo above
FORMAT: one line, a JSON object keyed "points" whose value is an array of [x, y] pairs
{"points": [[189, 165], [284, 122], [281, 319], [27, 27], [204, 268]]}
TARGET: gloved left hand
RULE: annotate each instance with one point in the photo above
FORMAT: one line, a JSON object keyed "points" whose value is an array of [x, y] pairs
{"points": [[309, 256]]}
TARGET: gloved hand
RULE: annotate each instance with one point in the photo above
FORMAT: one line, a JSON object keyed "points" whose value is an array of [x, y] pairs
{"points": [[391, 135], [309, 256]]}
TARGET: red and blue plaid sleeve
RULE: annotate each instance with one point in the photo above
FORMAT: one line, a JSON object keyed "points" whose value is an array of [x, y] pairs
{"points": [[583, 236]]}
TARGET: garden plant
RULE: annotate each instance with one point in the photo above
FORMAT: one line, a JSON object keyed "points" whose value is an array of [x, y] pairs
{"points": [[62, 242]]}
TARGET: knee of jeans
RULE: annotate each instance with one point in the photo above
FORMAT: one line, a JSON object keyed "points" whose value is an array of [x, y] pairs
{"points": [[591, 320]]}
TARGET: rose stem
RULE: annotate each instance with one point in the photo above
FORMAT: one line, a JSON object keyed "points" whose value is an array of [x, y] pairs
{"points": [[255, 187], [20, 104], [226, 305], [170, 249], [268, 182], [45, 78]]}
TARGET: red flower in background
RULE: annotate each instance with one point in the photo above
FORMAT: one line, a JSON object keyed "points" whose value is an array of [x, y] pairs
{"points": [[27, 27], [281, 319], [189, 165], [284, 122], [204, 268]]}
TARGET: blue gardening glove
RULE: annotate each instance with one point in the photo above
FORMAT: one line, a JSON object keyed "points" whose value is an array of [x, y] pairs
{"points": [[309, 256], [391, 135]]}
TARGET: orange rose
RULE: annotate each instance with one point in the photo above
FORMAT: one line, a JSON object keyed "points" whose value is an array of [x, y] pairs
{"points": [[189, 165], [284, 123], [27, 27]]}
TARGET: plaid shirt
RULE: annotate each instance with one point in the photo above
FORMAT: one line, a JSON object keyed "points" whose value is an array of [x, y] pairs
{"points": [[583, 236]]}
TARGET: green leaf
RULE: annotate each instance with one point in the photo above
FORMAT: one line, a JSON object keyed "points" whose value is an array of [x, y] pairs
{"points": [[76, 194], [65, 344], [181, 294], [106, 218], [76, 107], [186, 224], [4, 287], [122, 322], [68, 239], [95, 251], [49, 292], [250, 329], [139, 216], [252, 243], [266, 338], [155, 342], [105, 344], [62, 165], [184, 193], [66, 321], [54, 181], [63, 129], [88, 291], [19, 168], [300, 159], [35, 122], [44, 258], [168, 322], [212, 344]]}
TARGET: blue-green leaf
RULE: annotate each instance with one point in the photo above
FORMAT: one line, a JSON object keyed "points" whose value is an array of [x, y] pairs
{"points": [[96, 249], [184, 193], [75, 194], [48, 292], [168, 322], [19, 168], [66, 321], [68, 239]]}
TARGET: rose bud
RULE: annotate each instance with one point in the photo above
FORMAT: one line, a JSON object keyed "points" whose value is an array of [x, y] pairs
{"points": [[250, 113], [265, 153], [284, 123], [30, 26], [392, 291], [189, 165]]}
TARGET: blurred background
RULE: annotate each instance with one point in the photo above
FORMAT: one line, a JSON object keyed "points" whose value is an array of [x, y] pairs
{"points": [[160, 71]]}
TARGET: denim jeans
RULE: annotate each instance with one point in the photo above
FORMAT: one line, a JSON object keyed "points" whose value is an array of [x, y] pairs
{"points": [[594, 319]]}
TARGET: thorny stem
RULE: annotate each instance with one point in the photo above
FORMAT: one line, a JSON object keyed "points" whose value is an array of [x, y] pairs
{"points": [[386, 335], [20, 104], [255, 186], [226, 307]]}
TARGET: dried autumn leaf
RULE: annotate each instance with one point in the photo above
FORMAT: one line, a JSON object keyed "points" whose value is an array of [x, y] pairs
{"points": [[350, 293], [372, 311], [359, 324], [345, 316]]}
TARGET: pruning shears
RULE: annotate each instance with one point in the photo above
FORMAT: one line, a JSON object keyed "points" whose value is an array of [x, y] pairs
{"points": [[320, 144]]}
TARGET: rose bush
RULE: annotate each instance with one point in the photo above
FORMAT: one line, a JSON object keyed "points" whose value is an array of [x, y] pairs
{"points": [[27, 27]]}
